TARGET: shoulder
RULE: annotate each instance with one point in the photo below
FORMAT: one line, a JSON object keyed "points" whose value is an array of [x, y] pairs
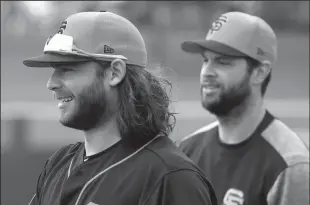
{"points": [[165, 154], [291, 185], [196, 137], [66, 150], [286, 143], [181, 187], [291, 182], [63, 152], [172, 168], [202, 191]]}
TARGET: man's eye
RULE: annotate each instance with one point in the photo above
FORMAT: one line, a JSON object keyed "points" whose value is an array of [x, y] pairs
{"points": [[224, 62], [66, 69]]}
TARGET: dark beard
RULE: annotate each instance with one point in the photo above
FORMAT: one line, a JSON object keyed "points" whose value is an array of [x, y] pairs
{"points": [[229, 99], [90, 108]]}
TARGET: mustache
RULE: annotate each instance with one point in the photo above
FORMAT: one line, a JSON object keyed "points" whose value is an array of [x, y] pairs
{"points": [[57, 96], [209, 83]]}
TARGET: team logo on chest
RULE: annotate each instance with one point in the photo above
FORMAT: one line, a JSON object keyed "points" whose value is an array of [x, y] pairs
{"points": [[233, 197], [91, 203]]}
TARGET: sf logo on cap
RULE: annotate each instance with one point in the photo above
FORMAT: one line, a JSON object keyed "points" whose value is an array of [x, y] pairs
{"points": [[62, 27], [60, 31], [108, 49], [217, 24]]}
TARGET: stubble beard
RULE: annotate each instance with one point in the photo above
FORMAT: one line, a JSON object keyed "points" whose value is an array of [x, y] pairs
{"points": [[89, 110], [228, 100]]}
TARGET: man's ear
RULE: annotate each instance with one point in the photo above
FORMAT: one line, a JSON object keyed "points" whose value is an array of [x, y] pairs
{"points": [[117, 72], [260, 73]]}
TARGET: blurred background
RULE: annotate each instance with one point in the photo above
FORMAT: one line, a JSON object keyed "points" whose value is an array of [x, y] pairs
{"points": [[30, 131]]}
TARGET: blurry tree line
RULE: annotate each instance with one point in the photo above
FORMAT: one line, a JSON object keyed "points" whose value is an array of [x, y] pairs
{"points": [[18, 18]]}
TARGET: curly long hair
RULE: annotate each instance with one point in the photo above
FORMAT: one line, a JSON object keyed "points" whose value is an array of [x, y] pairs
{"points": [[144, 105]]}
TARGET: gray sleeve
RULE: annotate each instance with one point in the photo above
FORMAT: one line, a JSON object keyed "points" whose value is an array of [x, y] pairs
{"points": [[291, 186]]}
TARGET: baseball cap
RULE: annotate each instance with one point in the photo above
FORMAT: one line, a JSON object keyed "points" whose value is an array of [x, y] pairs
{"points": [[238, 34], [86, 36]]}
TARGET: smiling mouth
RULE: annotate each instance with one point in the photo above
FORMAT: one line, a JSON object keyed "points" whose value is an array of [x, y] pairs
{"points": [[210, 86], [209, 89], [65, 99]]}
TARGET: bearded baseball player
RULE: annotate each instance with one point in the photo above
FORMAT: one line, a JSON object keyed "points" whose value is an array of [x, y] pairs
{"points": [[250, 156], [104, 89]]}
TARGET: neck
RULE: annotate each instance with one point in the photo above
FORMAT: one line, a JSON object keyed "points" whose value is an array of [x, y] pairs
{"points": [[101, 137], [242, 121]]}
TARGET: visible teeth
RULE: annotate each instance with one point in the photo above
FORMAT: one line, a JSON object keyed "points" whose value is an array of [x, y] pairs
{"points": [[208, 89], [67, 99]]}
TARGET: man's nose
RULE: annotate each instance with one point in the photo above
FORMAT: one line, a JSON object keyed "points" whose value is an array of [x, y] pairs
{"points": [[54, 82], [208, 70]]}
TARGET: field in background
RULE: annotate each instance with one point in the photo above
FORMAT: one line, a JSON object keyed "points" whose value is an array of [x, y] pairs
{"points": [[41, 134], [290, 77]]}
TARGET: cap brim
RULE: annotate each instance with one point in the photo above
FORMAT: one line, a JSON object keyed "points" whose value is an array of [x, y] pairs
{"points": [[202, 45], [48, 59]]}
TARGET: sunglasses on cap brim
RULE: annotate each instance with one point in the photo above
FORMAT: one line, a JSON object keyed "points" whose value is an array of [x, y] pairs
{"points": [[63, 44]]}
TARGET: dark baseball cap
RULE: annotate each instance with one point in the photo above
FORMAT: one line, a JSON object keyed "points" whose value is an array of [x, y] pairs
{"points": [[238, 34], [88, 35]]}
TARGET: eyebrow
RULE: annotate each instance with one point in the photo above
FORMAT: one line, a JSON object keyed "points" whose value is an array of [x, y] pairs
{"points": [[64, 65]]}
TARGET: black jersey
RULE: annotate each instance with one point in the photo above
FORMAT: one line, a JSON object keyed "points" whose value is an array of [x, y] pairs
{"points": [[155, 174], [270, 167]]}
